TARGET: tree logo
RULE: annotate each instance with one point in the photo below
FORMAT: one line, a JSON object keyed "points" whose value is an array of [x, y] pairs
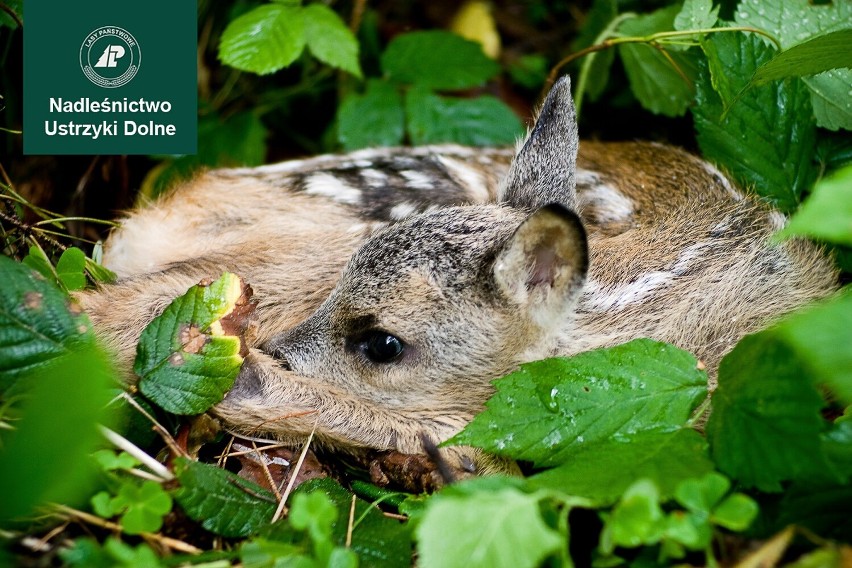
{"points": [[110, 57]]}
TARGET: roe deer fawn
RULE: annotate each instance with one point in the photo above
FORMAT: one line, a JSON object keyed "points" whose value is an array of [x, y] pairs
{"points": [[395, 284]]}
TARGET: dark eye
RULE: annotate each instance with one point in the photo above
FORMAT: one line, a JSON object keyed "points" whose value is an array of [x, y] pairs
{"points": [[381, 347]]}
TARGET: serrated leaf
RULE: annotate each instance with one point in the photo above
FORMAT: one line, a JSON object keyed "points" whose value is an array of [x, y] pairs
{"points": [[818, 54], [603, 471], [36, 325], [659, 86], [375, 118], [827, 213], [437, 60], [765, 425], [768, 137], [329, 40], [549, 410], [499, 528], [264, 40], [185, 359], [483, 121], [696, 15], [70, 268], [222, 502], [795, 21]]}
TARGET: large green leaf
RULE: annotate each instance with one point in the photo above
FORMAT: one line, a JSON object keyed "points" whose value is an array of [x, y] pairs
{"points": [[827, 213], [329, 40], [696, 15], [222, 502], [765, 425], [768, 137], [187, 358], [603, 471], [375, 118], [659, 86], [483, 121], [496, 529], [437, 60], [795, 21], [36, 324], [264, 40], [818, 54], [549, 411]]}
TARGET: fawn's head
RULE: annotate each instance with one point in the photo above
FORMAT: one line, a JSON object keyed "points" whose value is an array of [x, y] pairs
{"points": [[429, 310]]}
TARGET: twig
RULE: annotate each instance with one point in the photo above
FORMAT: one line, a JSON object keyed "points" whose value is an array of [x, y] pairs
{"points": [[164, 434], [124, 444], [351, 525], [12, 14], [357, 15], [396, 516], [228, 454], [266, 471], [293, 474], [171, 543]]}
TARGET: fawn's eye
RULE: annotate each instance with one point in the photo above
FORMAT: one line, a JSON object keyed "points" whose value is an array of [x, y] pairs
{"points": [[381, 347]]}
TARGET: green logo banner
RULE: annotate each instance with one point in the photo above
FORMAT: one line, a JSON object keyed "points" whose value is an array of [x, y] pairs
{"points": [[107, 77]]}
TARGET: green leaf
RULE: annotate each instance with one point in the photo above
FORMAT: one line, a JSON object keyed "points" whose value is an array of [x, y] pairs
{"points": [[375, 118], [550, 410], [499, 528], [99, 273], [528, 71], [815, 55], [267, 39], [222, 502], [768, 137], [696, 15], [654, 80], [186, 361], [437, 60], [110, 460], [36, 324], [700, 495], [144, 505], [379, 541], [104, 506], [483, 121], [827, 213], [735, 513], [17, 6], [329, 40], [795, 21], [314, 513], [637, 519], [765, 423], [38, 261], [71, 269], [603, 471]]}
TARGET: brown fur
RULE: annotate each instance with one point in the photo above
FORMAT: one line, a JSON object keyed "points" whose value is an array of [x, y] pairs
{"points": [[410, 243]]}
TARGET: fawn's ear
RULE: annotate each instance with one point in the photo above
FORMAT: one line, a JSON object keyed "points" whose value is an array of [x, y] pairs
{"points": [[543, 170], [543, 265]]}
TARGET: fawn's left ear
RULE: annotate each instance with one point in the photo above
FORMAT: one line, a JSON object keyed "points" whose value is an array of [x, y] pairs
{"points": [[543, 265], [543, 170]]}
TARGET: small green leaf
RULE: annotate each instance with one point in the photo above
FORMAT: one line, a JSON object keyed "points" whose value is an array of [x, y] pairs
{"points": [[483, 121], [659, 86], [264, 40], [498, 528], [38, 261], [185, 359], [701, 495], [222, 502], [603, 471], [110, 460], [71, 269], [687, 529], [99, 273], [818, 54], [437, 60], [550, 410], [329, 40], [637, 519], [735, 513], [696, 15], [145, 506], [103, 505], [768, 137], [827, 214], [375, 118]]}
